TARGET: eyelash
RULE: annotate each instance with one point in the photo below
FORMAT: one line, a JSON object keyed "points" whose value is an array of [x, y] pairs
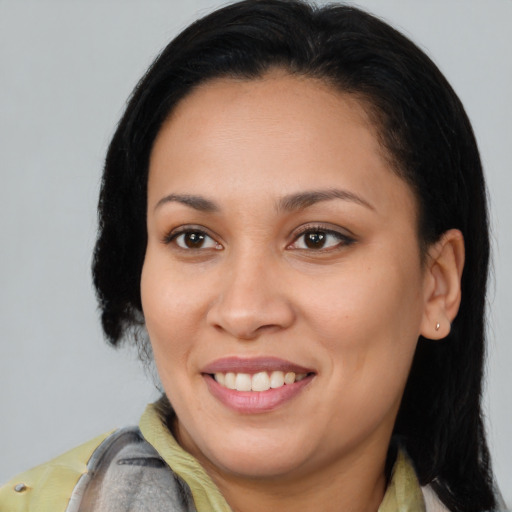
{"points": [[343, 239], [174, 235]]}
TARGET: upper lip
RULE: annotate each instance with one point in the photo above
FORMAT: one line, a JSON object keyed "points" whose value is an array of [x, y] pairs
{"points": [[253, 365]]}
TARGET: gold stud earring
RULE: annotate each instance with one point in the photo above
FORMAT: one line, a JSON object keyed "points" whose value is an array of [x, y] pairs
{"points": [[437, 326]]}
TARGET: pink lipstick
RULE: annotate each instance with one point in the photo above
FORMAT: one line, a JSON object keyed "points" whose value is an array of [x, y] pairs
{"points": [[255, 385]]}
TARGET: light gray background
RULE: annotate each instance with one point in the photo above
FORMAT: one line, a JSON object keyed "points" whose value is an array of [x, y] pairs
{"points": [[66, 69]]}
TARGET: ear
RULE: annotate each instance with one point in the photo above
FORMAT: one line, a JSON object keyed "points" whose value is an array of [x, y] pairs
{"points": [[443, 272]]}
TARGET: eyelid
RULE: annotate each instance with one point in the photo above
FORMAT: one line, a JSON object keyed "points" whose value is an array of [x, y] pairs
{"points": [[174, 233], [345, 236]]}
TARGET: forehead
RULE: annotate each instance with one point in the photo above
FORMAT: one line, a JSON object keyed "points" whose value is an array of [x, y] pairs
{"points": [[242, 107], [278, 133]]}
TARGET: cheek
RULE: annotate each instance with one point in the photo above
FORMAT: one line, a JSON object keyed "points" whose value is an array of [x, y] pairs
{"points": [[368, 325], [166, 305], [365, 298], [368, 318]]}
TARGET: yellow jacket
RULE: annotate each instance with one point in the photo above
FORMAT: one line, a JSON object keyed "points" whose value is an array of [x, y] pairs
{"points": [[149, 468]]}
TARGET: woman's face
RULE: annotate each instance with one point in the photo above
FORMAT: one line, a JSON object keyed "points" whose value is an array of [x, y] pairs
{"points": [[280, 244]]}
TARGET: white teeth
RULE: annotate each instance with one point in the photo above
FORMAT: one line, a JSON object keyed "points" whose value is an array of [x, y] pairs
{"points": [[261, 381], [230, 380], [289, 378], [276, 379], [243, 382]]}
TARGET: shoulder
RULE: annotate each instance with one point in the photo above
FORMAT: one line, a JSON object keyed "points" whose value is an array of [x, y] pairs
{"points": [[50, 484], [115, 470]]}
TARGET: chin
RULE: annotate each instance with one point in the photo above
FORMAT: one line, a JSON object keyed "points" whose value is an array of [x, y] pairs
{"points": [[259, 464], [260, 455]]}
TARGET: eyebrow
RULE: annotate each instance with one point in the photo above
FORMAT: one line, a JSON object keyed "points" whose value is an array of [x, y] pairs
{"points": [[197, 202], [292, 202], [304, 200]]}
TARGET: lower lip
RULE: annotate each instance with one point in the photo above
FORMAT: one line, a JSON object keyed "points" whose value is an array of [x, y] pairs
{"points": [[252, 402]]}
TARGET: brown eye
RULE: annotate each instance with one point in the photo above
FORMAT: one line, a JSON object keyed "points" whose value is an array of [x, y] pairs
{"points": [[321, 239], [315, 239], [194, 240]]}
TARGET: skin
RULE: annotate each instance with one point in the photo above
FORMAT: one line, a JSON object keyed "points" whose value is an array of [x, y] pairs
{"points": [[351, 310]]}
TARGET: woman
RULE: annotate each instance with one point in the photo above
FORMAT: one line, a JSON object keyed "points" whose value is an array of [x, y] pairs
{"points": [[293, 207]]}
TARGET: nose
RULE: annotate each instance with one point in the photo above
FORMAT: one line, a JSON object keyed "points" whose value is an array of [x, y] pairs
{"points": [[253, 298]]}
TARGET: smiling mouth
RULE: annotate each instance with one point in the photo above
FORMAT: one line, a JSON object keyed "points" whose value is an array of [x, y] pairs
{"points": [[258, 382]]}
